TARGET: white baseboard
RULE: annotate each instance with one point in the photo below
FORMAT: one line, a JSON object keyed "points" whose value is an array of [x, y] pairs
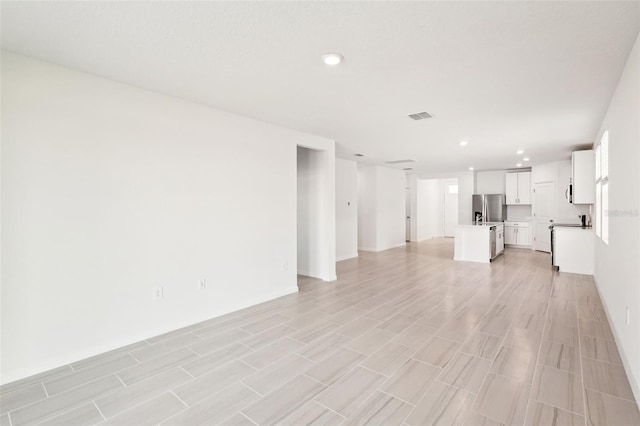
{"points": [[349, 256], [635, 386], [308, 274], [377, 250], [367, 249]]}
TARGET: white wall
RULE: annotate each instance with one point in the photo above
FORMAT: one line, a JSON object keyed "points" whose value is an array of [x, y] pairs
{"points": [[412, 184], [617, 266], [466, 183], [430, 213], [367, 207], [109, 191], [346, 209], [381, 208]]}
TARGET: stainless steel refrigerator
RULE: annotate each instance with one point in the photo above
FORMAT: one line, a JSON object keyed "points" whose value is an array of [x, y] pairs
{"points": [[489, 208]]}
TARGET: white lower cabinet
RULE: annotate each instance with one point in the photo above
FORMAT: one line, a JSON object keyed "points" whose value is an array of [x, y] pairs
{"points": [[573, 250], [517, 234]]}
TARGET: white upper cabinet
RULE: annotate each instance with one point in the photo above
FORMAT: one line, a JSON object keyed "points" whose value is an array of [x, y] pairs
{"points": [[524, 188], [583, 177], [518, 188], [511, 186]]}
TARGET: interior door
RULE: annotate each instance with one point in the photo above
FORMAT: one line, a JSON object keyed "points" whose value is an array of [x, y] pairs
{"points": [[450, 208], [543, 214]]}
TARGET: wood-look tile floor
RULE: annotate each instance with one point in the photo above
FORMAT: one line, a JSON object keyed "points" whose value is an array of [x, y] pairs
{"points": [[404, 337]]}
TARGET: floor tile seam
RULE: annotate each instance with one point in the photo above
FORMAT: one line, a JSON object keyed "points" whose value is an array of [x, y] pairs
{"points": [[99, 411], [621, 399], [144, 401], [585, 388], [425, 362], [328, 408], [186, 406], [61, 413], [199, 357], [93, 379], [241, 381], [385, 376], [559, 408], [246, 417], [400, 399], [73, 406], [304, 373], [45, 390]]}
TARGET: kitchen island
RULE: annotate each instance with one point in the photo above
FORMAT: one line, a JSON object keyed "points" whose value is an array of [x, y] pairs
{"points": [[572, 248], [480, 242]]}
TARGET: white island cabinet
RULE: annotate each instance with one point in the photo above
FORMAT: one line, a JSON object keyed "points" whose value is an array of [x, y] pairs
{"points": [[478, 243], [573, 249]]}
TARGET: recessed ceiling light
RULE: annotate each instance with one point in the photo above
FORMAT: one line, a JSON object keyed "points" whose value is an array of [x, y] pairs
{"points": [[519, 165], [471, 168], [525, 159], [332, 59], [520, 151], [463, 143]]}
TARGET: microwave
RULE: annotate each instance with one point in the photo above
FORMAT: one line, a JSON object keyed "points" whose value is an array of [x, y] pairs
{"points": [[568, 193]]}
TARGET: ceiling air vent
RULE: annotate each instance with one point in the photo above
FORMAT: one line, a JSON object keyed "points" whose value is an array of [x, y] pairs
{"points": [[400, 161], [420, 116]]}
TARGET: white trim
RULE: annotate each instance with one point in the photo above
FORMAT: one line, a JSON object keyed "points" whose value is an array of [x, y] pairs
{"points": [[377, 250], [349, 256]]}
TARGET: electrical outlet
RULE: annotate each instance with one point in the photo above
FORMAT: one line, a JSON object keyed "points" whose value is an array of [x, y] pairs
{"points": [[628, 316], [157, 293], [202, 284]]}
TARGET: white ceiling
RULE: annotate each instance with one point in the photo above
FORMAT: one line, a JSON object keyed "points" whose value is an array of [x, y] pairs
{"points": [[502, 75]]}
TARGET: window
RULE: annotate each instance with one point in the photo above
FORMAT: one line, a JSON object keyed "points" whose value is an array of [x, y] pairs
{"points": [[602, 188]]}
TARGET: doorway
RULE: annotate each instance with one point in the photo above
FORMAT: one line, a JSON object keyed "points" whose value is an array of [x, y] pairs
{"points": [[450, 207], [310, 191], [407, 203], [543, 215]]}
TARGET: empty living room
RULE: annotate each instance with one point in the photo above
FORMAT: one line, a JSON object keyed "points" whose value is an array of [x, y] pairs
{"points": [[320, 213]]}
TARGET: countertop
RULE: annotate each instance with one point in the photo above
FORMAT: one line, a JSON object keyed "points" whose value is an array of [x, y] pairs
{"points": [[483, 225], [574, 226]]}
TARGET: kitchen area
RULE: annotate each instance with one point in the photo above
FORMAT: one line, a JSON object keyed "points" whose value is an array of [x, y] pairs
{"points": [[545, 207]]}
